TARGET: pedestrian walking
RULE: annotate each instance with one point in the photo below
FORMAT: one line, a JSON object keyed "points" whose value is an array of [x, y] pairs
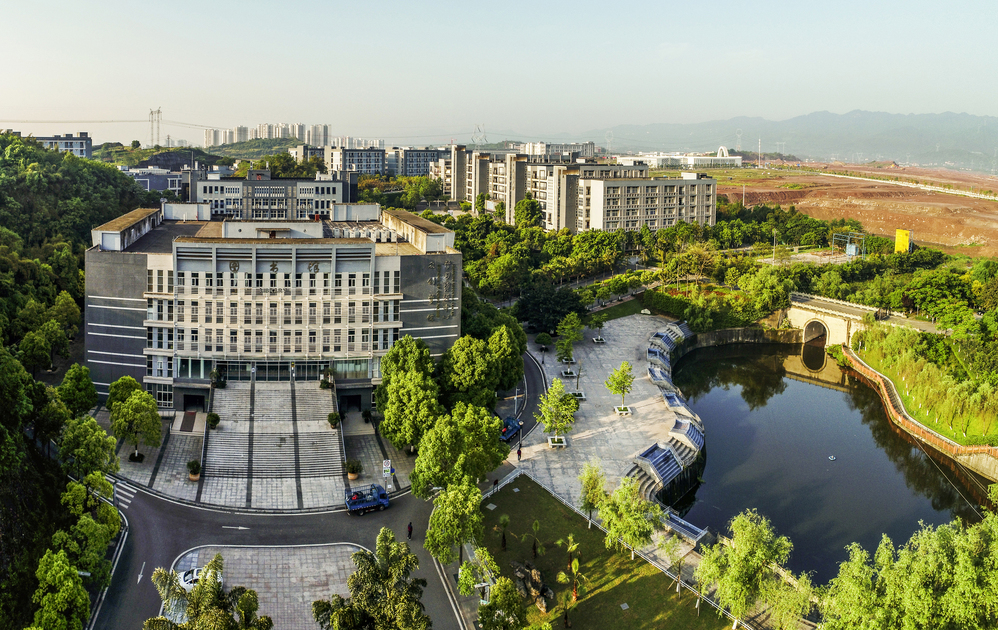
{"points": [[495, 485], [519, 453], [409, 536]]}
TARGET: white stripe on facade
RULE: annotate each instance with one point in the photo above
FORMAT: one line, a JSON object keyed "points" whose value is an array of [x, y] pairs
{"points": [[116, 354], [113, 363], [118, 308], [422, 310], [428, 328], [439, 336], [118, 336], [117, 326], [120, 299]]}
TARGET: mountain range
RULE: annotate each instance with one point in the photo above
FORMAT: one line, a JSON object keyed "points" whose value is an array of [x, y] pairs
{"points": [[947, 139]]}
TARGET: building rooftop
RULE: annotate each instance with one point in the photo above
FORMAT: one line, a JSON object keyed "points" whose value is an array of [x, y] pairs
{"points": [[159, 240], [126, 220], [277, 241], [417, 221]]}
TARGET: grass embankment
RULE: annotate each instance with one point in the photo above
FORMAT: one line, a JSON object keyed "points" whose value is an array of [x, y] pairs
{"points": [[614, 579], [622, 309], [931, 408]]}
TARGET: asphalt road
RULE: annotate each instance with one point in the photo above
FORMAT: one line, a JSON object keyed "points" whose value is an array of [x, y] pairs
{"points": [[161, 530]]}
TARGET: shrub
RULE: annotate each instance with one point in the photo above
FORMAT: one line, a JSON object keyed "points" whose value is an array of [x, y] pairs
{"points": [[544, 339], [220, 384], [354, 467], [324, 384], [213, 420], [366, 414], [334, 419], [194, 467]]}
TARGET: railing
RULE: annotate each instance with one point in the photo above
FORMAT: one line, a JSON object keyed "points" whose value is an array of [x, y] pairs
{"points": [[899, 415]]}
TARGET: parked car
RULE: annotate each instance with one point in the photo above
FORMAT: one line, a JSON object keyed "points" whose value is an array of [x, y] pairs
{"points": [[188, 579], [510, 427]]}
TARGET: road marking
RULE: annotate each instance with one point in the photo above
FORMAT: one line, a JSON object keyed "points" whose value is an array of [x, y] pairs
{"points": [[140, 572], [234, 527]]}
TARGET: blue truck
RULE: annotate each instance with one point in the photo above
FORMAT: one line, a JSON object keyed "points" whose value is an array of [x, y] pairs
{"points": [[510, 427], [363, 500]]}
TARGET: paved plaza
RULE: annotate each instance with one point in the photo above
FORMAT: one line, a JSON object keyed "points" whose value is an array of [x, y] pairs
{"points": [[287, 579], [599, 433]]}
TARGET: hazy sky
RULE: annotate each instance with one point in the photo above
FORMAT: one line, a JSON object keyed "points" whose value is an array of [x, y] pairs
{"points": [[424, 72]]}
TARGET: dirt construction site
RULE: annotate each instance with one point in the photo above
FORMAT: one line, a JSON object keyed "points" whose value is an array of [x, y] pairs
{"points": [[954, 223]]}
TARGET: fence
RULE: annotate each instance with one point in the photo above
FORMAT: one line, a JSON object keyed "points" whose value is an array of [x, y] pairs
{"points": [[900, 417], [644, 556]]}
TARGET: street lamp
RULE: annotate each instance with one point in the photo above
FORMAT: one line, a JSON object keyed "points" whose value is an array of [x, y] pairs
{"points": [[520, 435]]}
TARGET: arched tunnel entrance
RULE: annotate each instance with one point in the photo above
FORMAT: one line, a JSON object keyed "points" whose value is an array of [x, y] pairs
{"points": [[815, 334]]}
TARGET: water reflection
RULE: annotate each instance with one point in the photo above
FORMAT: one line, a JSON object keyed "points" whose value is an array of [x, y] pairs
{"points": [[773, 419]]}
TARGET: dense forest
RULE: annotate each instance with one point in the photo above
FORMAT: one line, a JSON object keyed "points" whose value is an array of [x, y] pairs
{"points": [[52, 521]]}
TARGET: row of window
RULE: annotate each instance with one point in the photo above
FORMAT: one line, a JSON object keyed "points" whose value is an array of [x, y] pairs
{"points": [[384, 281], [269, 341], [289, 314]]}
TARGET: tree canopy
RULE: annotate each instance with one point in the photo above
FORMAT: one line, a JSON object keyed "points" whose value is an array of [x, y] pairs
{"points": [[464, 443], [628, 519], [456, 519]]}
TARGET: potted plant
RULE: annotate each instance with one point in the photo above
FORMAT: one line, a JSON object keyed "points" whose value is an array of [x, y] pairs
{"points": [[213, 420], [353, 468], [367, 415], [194, 470], [334, 419]]}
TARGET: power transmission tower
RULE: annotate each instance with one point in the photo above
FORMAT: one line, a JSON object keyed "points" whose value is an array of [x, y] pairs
{"points": [[738, 142], [609, 142], [479, 138]]}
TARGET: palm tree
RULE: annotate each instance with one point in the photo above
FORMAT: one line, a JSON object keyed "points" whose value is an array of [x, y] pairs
{"points": [[577, 579], [570, 546], [206, 605], [502, 526]]}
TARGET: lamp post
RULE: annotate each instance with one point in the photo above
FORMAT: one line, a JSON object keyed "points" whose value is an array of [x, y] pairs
{"points": [[519, 435]]}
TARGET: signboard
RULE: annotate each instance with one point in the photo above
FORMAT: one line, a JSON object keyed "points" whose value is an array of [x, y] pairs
{"points": [[386, 466], [902, 241]]}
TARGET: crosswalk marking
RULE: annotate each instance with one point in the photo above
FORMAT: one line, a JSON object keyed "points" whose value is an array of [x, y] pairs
{"points": [[124, 494]]}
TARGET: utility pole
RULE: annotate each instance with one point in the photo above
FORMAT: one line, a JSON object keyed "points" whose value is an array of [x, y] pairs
{"points": [[760, 152], [774, 247]]}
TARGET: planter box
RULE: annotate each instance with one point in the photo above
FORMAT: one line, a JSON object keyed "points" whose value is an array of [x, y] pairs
{"points": [[558, 442], [567, 373], [622, 411], [599, 340], [572, 362], [578, 395]]}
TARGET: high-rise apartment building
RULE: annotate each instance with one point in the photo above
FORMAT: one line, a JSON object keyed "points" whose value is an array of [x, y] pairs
{"points": [[629, 204], [412, 161]]}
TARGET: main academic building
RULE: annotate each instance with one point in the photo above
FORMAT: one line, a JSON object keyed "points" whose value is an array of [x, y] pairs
{"points": [[174, 293]]}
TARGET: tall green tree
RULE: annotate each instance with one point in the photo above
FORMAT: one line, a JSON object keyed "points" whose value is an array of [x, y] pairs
{"points": [[557, 409], [137, 421], [85, 447], [569, 332], [36, 351], [405, 355], [77, 390], [456, 519], [469, 374], [620, 381], [463, 443], [65, 312], [85, 544], [593, 481], [742, 569], [56, 337], [383, 595], [629, 520], [48, 414], [411, 408], [63, 603], [206, 605], [508, 362], [504, 611], [120, 390], [527, 212]]}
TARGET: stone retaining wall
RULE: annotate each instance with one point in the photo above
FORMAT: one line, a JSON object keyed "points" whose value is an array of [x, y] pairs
{"points": [[736, 335], [980, 458]]}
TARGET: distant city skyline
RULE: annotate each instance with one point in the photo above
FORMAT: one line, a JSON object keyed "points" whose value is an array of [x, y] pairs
{"points": [[425, 73]]}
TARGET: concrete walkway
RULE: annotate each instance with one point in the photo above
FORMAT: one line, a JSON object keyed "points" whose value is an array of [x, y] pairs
{"points": [[286, 579]]}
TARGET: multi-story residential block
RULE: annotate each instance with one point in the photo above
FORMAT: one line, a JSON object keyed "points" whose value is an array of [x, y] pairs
{"points": [[412, 161], [259, 196], [629, 204], [240, 134], [154, 178], [583, 149], [364, 161], [80, 145], [170, 301]]}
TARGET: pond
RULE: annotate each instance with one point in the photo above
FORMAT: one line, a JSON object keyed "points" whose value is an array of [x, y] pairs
{"points": [[773, 415]]}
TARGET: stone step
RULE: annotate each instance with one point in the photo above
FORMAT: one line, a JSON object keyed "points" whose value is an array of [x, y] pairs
{"points": [[273, 455]]}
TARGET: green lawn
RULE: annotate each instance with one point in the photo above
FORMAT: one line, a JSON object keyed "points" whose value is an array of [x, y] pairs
{"points": [[614, 579], [622, 309]]}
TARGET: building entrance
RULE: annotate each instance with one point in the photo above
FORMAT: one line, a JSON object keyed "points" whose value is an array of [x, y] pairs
{"points": [[272, 370]]}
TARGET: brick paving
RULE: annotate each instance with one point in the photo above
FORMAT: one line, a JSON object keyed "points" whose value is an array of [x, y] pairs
{"points": [[172, 478], [286, 579]]}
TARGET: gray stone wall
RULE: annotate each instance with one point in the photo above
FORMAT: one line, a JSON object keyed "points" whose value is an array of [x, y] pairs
{"points": [[115, 308], [431, 305]]}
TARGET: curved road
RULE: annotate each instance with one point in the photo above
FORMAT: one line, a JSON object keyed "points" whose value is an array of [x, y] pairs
{"points": [[161, 530]]}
